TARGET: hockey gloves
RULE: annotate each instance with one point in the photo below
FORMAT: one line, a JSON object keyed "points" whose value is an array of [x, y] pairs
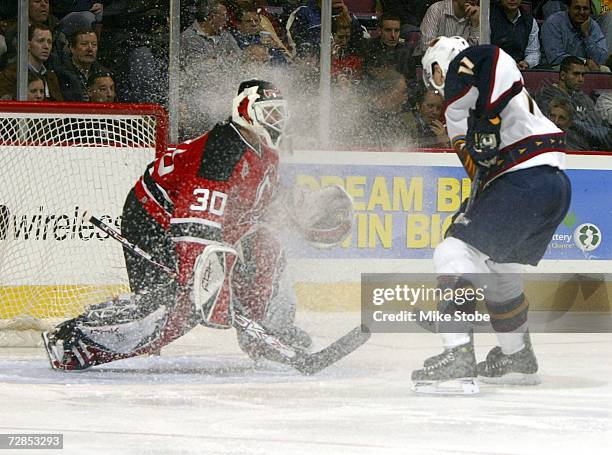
{"points": [[483, 140]]}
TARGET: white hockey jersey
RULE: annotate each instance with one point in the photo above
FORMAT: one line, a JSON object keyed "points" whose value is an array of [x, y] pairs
{"points": [[486, 78]]}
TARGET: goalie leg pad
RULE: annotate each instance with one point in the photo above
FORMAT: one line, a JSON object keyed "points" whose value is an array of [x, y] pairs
{"points": [[113, 330], [257, 273], [211, 291], [263, 293]]}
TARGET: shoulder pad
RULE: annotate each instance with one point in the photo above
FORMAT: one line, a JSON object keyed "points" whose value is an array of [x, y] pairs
{"points": [[222, 151]]}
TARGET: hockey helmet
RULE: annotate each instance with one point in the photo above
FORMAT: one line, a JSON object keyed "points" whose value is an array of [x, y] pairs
{"points": [[259, 107], [442, 51]]}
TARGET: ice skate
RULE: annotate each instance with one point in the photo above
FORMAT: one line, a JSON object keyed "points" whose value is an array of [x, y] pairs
{"points": [[68, 349], [451, 372], [519, 368]]}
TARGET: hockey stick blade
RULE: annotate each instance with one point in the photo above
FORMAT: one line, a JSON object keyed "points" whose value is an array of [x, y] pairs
{"points": [[310, 364]]}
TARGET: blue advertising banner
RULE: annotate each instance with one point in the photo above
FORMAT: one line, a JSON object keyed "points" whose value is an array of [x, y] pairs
{"points": [[403, 210]]}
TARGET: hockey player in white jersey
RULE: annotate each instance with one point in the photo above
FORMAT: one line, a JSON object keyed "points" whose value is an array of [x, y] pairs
{"points": [[515, 157]]}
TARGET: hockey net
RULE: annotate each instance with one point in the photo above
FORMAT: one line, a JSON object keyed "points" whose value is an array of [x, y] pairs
{"points": [[60, 160]]}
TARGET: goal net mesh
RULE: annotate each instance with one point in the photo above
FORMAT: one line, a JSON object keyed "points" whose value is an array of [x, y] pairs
{"points": [[58, 162]]}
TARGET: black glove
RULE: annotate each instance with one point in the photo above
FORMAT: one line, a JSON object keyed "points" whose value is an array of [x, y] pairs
{"points": [[482, 140]]}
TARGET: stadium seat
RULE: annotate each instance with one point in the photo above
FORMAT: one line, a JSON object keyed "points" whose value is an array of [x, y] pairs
{"points": [[536, 80], [361, 7]]}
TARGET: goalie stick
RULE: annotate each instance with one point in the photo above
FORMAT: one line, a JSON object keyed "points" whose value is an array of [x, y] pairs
{"points": [[305, 362]]}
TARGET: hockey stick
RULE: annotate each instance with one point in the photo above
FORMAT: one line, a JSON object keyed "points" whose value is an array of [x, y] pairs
{"points": [[303, 361], [476, 180]]}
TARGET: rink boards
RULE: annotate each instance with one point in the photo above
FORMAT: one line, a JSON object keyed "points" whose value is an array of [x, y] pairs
{"points": [[403, 203]]}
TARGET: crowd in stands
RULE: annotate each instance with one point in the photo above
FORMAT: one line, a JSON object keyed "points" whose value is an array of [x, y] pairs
{"points": [[117, 51]]}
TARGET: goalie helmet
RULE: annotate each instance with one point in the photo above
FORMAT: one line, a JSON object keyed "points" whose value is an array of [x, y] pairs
{"points": [[442, 51], [259, 107]]}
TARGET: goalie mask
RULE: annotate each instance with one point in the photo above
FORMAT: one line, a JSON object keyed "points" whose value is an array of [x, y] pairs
{"points": [[442, 51], [259, 107]]}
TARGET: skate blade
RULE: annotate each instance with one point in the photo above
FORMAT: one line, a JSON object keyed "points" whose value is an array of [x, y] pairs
{"points": [[460, 386], [52, 352], [513, 379]]}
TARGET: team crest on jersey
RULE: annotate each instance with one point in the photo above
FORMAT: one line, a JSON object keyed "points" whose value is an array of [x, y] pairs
{"points": [[263, 195], [245, 170]]}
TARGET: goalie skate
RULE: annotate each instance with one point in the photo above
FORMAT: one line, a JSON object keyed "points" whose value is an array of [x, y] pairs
{"points": [[451, 373], [68, 349]]}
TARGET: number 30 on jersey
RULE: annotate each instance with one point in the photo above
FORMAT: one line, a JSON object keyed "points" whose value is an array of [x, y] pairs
{"points": [[213, 202]]}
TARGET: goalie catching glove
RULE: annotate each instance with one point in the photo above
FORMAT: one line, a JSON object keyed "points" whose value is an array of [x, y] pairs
{"points": [[482, 139], [324, 217]]}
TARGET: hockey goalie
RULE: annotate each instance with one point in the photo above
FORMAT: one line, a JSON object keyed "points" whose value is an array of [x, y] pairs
{"points": [[203, 209]]}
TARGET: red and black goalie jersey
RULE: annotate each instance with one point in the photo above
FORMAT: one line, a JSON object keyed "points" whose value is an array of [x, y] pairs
{"points": [[208, 191]]}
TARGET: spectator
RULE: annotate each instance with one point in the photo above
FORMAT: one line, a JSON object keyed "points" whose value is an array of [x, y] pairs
{"points": [[515, 32], [206, 38], [561, 112], [3, 48], [347, 64], [38, 12], [586, 118], [250, 32], [451, 18], [306, 68], [36, 87], [254, 57], [269, 22], [209, 58], [605, 23], [140, 63], [40, 42], [304, 24], [410, 12], [604, 106], [74, 73], [304, 75], [574, 32], [101, 87], [424, 121], [79, 14], [388, 50], [385, 124], [571, 78], [90, 11]]}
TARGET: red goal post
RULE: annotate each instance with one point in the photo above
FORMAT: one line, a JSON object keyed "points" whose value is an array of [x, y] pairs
{"points": [[60, 160]]}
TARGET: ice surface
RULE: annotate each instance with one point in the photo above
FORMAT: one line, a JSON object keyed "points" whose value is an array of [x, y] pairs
{"points": [[203, 396]]}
